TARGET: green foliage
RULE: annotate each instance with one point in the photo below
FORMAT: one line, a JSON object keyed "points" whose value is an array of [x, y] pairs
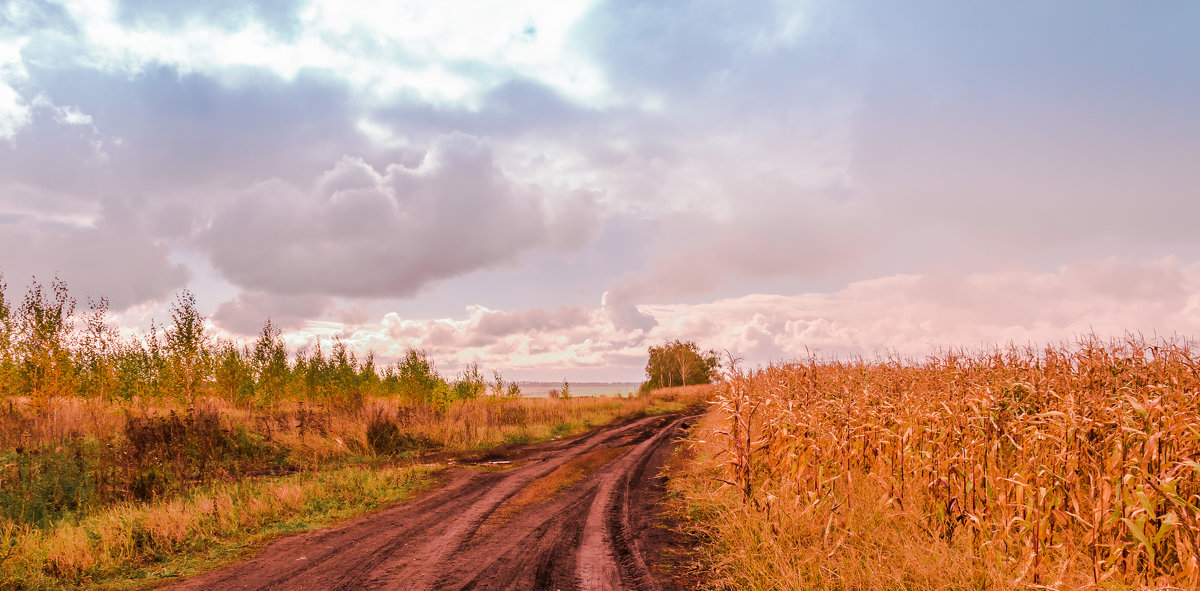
{"points": [[8, 329], [163, 454], [96, 375], [46, 351], [469, 383], [186, 347], [415, 378], [44, 325], [679, 363], [269, 364], [39, 486], [234, 375]]}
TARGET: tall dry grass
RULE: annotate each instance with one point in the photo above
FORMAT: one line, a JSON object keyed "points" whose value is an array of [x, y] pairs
{"points": [[95, 491], [1072, 466]]}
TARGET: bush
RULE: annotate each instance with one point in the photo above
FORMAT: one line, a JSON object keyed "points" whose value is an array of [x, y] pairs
{"points": [[39, 486], [385, 438]]}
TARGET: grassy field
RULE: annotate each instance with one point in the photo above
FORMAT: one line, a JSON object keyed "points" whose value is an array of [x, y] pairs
{"points": [[115, 495], [1069, 467]]}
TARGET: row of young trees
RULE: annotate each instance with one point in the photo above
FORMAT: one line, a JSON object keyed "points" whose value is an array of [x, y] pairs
{"points": [[49, 350]]}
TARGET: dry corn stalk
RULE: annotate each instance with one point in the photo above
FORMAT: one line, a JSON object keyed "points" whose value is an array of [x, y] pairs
{"points": [[1083, 454]]}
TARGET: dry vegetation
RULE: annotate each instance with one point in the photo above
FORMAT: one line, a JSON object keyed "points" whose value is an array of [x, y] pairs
{"points": [[126, 459], [1071, 467], [100, 491]]}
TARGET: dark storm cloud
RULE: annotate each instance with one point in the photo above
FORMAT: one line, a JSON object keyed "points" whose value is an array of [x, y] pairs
{"points": [[362, 233]]}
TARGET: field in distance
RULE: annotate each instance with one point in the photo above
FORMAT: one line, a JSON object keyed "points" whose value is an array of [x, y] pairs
{"points": [[542, 389]]}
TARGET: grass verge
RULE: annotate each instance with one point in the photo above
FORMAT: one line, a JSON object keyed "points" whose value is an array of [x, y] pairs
{"points": [[142, 545], [317, 469]]}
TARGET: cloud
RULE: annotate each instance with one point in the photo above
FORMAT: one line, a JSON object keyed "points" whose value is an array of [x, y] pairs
{"points": [[281, 17], [382, 51], [20, 201], [167, 131], [899, 173], [117, 257], [911, 315], [15, 112], [245, 313], [362, 233]]}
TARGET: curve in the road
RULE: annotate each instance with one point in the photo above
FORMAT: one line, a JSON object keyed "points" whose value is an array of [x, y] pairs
{"points": [[583, 537]]}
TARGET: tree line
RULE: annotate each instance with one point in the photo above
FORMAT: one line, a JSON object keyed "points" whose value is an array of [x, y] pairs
{"points": [[49, 348]]}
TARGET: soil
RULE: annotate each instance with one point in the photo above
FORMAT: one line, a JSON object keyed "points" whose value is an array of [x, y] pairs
{"points": [[604, 531]]}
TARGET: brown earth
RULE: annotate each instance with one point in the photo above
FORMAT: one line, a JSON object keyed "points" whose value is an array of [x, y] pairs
{"points": [[579, 514]]}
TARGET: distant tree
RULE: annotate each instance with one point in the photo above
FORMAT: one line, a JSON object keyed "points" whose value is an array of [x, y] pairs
{"points": [[500, 388], [565, 393], [679, 363]]}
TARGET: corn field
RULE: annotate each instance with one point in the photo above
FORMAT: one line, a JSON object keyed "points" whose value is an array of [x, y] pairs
{"points": [[1072, 466]]}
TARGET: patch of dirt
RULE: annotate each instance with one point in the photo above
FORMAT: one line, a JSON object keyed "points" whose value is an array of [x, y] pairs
{"points": [[598, 528]]}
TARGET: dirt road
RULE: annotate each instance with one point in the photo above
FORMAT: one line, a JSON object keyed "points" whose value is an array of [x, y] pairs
{"points": [[576, 514]]}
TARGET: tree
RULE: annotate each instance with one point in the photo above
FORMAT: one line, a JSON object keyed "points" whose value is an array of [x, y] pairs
{"points": [[417, 378], [470, 383], [95, 351], [45, 325], [270, 363], [8, 356], [679, 363], [501, 388], [187, 346]]}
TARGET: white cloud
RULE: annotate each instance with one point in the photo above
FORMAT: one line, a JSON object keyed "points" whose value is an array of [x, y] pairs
{"points": [[15, 112], [71, 116], [384, 50], [907, 314]]}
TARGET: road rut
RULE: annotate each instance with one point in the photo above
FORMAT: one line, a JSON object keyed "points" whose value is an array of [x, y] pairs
{"points": [[494, 529]]}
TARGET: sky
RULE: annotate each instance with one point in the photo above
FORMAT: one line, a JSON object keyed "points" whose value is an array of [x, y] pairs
{"points": [[548, 188]]}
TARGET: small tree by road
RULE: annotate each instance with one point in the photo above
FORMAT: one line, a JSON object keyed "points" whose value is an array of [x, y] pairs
{"points": [[679, 363]]}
